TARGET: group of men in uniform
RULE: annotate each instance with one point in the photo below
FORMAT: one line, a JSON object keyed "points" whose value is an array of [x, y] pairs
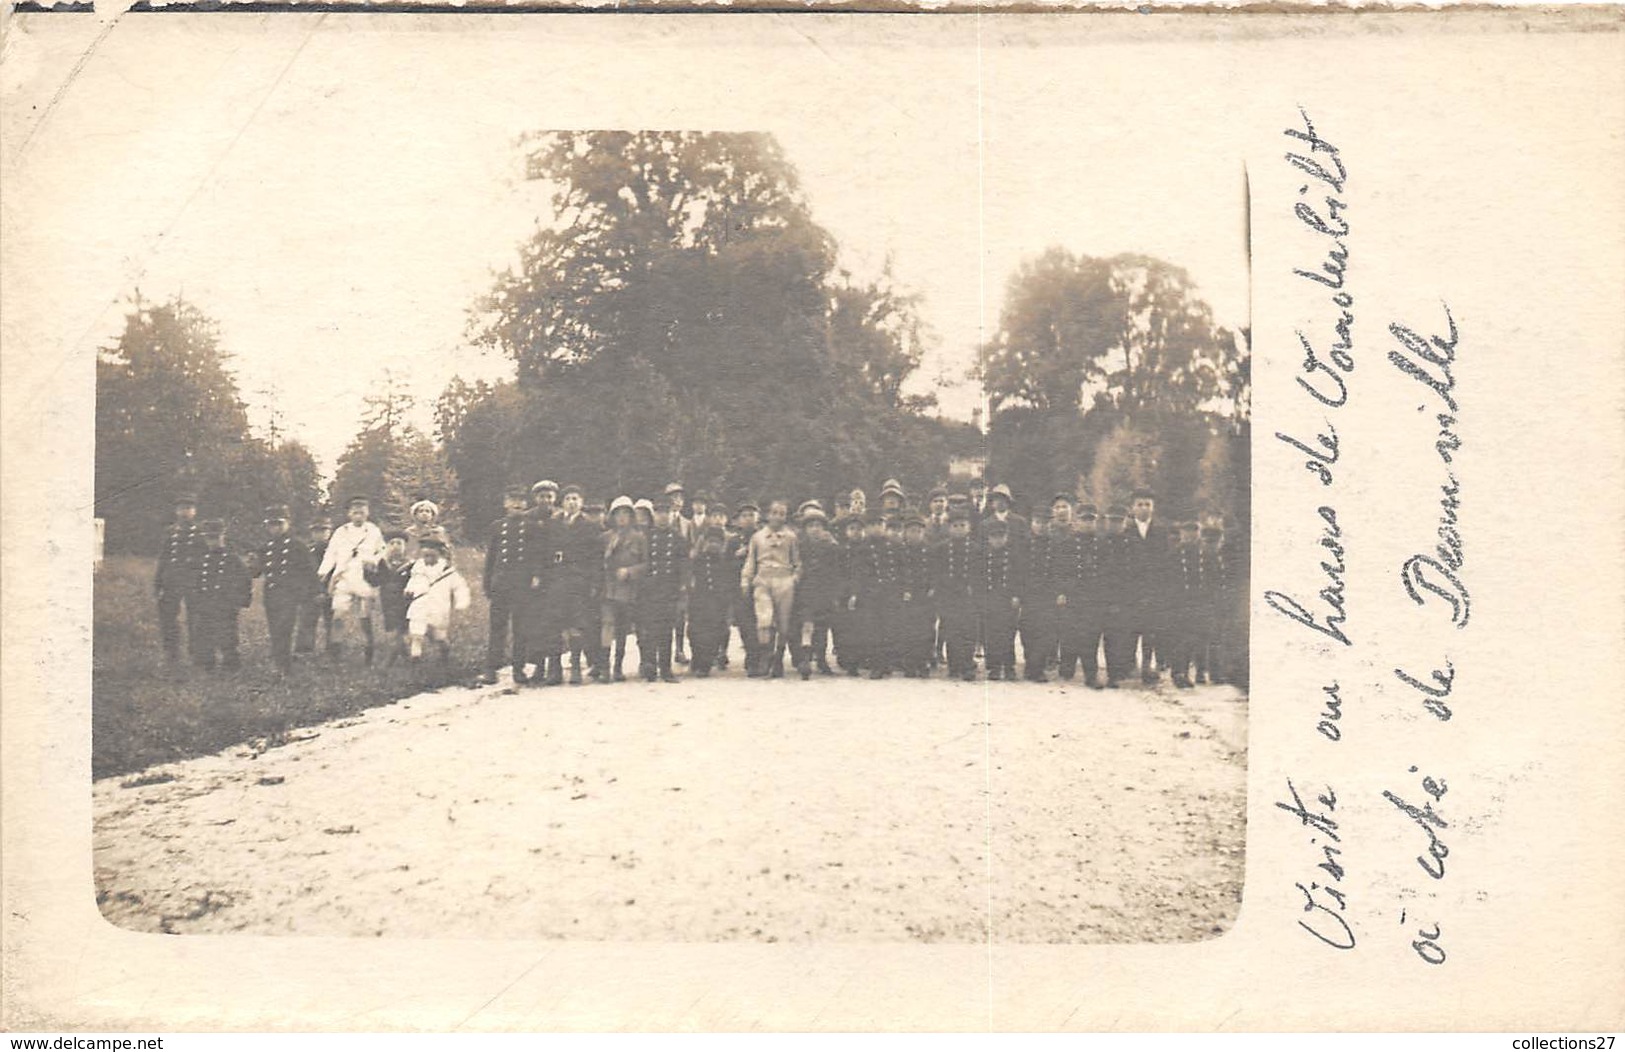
{"points": [[892, 589], [337, 581]]}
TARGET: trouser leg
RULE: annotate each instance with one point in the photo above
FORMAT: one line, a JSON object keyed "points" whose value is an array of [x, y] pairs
{"points": [[169, 623]]}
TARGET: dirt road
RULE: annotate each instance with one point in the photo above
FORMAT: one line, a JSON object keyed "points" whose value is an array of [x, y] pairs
{"points": [[729, 809]]}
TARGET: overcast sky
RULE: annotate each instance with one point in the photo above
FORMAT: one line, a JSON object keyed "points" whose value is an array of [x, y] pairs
{"points": [[336, 191]]}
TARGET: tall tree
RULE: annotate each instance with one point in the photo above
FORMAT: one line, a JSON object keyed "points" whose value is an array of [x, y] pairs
{"points": [[168, 415], [1127, 333], [1062, 317], [685, 304]]}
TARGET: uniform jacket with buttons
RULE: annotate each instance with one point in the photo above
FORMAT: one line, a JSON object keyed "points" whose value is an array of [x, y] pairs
{"points": [[953, 576], [510, 555], [877, 571], [222, 578], [667, 565], [178, 561], [1065, 562], [1000, 573], [285, 566], [915, 571]]}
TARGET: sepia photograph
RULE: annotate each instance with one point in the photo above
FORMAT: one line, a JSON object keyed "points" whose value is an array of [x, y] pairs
{"points": [[678, 522], [674, 534]]}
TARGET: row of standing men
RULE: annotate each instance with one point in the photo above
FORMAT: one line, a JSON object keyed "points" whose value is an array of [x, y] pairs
{"points": [[889, 589]]}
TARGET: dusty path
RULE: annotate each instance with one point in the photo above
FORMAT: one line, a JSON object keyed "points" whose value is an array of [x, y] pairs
{"points": [[712, 810]]}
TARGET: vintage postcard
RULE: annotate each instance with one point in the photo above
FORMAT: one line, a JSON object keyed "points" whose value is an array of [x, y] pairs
{"points": [[699, 522]]}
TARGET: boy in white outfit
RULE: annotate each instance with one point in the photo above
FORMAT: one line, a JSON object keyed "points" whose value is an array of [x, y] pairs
{"points": [[434, 590], [772, 568], [350, 571]]}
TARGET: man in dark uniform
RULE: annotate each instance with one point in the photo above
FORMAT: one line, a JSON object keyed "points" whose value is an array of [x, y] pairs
{"points": [[1116, 586], [1147, 573], [509, 565], [289, 577], [658, 594], [917, 618], [1183, 617], [1066, 540], [851, 649], [543, 643], [176, 582], [1086, 599], [818, 593], [572, 555], [1215, 601], [878, 584], [999, 584], [953, 590], [1051, 569], [223, 590], [318, 606], [713, 582]]}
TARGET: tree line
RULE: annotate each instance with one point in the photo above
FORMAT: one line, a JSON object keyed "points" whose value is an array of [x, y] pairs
{"points": [[684, 318]]}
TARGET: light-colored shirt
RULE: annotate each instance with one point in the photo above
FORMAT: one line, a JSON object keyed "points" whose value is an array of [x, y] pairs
{"points": [[352, 548], [772, 553]]}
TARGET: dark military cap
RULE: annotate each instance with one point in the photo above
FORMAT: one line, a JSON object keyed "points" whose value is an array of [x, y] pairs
{"points": [[390, 535], [846, 522], [936, 491], [956, 499], [353, 501], [1142, 494], [1087, 509], [566, 491], [185, 498], [212, 527], [661, 503], [913, 519], [1063, 498], [958, 513], [320, 522], [1189, 526], [713, 506], [274, 512], [1211, 533], [1116, 511], [749, 505], [432, 542], [593, 506], [516, 491]]}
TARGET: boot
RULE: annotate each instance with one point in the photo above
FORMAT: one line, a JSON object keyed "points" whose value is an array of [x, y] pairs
{"points": [[776, 666], [575, 668]]}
